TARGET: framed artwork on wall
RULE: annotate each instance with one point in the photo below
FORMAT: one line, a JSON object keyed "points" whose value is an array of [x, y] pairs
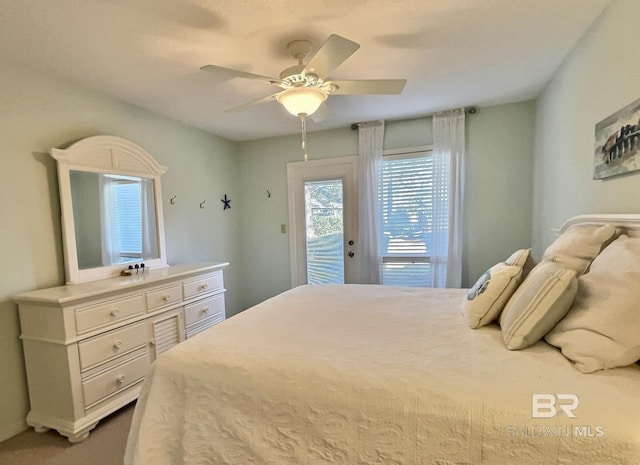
{"points": [[617, 144]]}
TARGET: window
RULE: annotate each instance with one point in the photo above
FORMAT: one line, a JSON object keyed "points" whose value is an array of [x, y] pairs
{"points": [[127, 217], [406, 201]]}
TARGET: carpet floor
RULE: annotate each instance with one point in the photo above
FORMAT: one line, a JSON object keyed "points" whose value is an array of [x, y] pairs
{"points": [[104, 446]]}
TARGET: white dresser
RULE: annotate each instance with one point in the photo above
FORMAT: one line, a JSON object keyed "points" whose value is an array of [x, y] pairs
{"points": [[88, 346]]}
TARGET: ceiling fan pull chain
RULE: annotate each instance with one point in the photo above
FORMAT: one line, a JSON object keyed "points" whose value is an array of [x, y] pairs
{"points": [[304, 136]]}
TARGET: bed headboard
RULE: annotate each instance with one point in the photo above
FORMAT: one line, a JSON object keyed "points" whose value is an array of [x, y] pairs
{"points": [[626, 223]]}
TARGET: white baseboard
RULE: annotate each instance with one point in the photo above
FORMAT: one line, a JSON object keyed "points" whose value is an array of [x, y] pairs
{"points": [[9, 431]]}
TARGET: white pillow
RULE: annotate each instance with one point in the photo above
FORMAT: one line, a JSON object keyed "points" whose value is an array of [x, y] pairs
{"points": [[576, 248], [490, 293], [602, 329], [537, 305]]}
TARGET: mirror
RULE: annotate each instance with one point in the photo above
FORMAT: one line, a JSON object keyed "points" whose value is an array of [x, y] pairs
{"points": [[114, 219], [111, 208]]}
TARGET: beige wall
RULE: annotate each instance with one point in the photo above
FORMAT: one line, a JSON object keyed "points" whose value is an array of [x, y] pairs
{"points": [[598, 78], [39, 113], [499, 185]]}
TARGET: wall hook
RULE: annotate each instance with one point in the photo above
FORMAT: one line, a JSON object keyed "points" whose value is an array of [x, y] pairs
{"points": [[202, 204], [173, 200]]}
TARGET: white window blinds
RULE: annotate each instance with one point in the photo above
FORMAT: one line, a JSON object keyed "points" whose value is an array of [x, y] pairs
{"points": [[406, 200], [127, 216]]}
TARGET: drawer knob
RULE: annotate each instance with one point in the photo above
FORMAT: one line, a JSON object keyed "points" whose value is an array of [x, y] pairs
{"points": [[115, 312], [117, 344], [120, 380], [203, 287], [166, 298], [204, 311]]}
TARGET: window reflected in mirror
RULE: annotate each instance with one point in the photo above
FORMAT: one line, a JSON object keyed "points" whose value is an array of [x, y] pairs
{"points": [[114, 219]]}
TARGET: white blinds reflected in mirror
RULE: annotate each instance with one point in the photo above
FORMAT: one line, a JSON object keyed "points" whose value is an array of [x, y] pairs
{"points": [[114, 219]]}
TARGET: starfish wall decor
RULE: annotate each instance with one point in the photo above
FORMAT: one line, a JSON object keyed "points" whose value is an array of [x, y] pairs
{"points": [[226, 201]]}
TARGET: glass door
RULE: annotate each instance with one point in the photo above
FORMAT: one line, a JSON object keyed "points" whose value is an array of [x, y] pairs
{"points": [[322, 220], [324, 231]]}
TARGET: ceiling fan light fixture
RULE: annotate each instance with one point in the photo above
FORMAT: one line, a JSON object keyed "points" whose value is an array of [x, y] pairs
{"points": [[302, 100]]}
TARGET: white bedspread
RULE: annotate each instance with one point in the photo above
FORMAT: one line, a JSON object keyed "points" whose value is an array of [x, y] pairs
{"points": [[374, 375]]}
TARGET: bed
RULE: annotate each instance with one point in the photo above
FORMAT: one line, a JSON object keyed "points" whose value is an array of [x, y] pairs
{"points": [[363, 374]]}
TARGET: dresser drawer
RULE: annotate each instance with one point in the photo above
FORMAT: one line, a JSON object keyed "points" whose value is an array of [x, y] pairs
{"points": [[114, 380], [210, 283], [100, 349], [213, 307], [204, 324], [165, 296], [104, 313]]}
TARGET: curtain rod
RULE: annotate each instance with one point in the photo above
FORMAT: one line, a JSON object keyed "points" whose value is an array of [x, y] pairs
{"points": [[470, 110]]}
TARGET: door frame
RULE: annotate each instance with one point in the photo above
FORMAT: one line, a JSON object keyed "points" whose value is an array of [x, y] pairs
{"points": [[344, 168]]}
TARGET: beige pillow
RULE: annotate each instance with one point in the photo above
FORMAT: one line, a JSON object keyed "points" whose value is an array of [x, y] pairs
{"points": [[490, 293], [576, 248], [537, 305], [602, 329], [523, 259]]}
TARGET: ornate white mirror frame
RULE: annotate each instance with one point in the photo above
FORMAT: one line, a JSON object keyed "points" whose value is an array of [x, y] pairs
{"points": [[111, 156]]}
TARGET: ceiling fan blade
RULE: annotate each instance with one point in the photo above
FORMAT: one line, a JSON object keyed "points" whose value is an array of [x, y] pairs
{"points": [[244, 106], [332, 53], [321, 113], [241, 74], [370, 87]]}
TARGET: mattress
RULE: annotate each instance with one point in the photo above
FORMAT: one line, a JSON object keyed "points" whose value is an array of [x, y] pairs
{"points": [[361, 374]]}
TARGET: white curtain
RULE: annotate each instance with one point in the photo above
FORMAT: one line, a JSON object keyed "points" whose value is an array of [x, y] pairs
{"points": [[109, 240], [370, 146], [148, 220], [448, 161]]}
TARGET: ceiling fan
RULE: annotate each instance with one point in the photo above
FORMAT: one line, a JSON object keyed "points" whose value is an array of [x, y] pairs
{"points": [[305, 87]]}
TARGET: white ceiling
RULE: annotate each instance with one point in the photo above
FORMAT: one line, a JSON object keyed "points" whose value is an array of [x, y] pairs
{"points": [[453, 53]]}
